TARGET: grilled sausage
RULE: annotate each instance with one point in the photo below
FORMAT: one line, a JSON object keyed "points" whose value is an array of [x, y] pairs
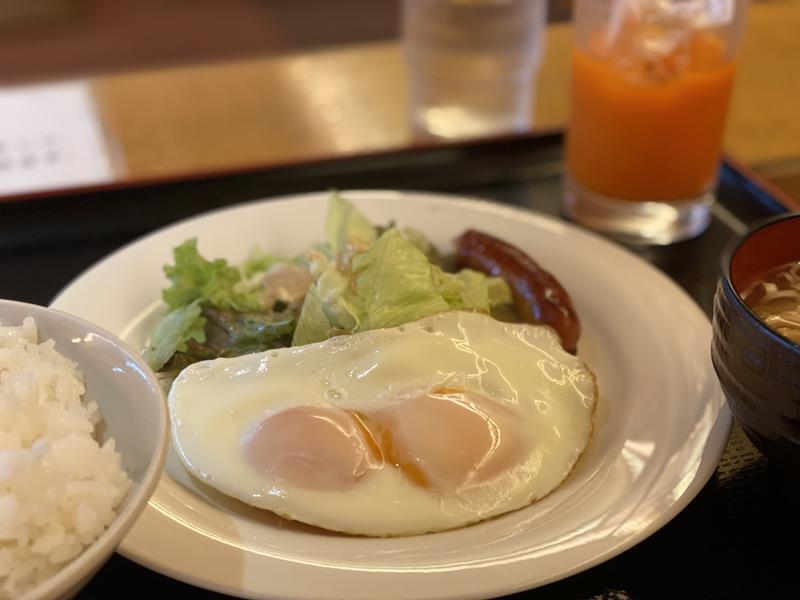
{"points": [[538, 296]]}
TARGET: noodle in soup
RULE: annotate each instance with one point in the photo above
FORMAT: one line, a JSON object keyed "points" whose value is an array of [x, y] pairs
{"points": [[775, 299]]}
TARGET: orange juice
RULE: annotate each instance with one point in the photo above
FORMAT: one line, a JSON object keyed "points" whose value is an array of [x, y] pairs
{"points": [[649, 129]]}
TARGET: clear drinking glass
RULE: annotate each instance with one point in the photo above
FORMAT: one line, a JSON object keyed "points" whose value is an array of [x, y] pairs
{"points": [[651, 81], [472, 65]]}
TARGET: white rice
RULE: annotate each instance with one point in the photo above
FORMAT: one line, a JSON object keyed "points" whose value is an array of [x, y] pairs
{"points": [[59, 489]]}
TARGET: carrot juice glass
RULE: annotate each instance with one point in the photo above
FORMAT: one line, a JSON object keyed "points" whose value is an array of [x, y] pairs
{"points": [[651, 81]]}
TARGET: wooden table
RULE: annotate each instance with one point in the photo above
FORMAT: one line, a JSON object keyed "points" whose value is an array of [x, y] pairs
{"points": [[352, 100]]}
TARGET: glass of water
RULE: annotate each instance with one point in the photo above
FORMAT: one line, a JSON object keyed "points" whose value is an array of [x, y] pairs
{"points": [[472, 65]]}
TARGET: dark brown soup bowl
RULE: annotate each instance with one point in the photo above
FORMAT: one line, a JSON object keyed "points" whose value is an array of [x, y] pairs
{"points": [[758, 368]]}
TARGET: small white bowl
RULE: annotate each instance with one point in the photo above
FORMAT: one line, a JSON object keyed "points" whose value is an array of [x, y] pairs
{"points": [[134, 412]]}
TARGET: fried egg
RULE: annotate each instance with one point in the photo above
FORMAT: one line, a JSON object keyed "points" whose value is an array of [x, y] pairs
{"points": [[425, 427]]}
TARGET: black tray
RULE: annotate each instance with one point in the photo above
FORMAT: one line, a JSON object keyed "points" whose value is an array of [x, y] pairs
{"points": [[728, 543]]}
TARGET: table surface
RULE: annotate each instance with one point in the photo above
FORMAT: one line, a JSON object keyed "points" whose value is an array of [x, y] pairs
{"points": [[728, 543], [352, 100]]}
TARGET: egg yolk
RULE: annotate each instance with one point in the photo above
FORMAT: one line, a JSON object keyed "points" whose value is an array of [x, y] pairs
{"points": [[442, 440], [319, 448], [449, 438]]}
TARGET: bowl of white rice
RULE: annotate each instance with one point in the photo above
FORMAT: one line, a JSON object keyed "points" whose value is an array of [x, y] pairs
{"points": [[83, 436]]}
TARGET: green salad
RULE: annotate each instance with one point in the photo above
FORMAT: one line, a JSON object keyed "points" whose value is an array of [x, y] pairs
{"points": [[363, 277]]}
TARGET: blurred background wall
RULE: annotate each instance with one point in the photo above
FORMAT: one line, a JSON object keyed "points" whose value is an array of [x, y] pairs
{"points": [[54, 39]]}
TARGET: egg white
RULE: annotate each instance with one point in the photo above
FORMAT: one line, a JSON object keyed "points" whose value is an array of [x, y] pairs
{"points": [[215, 404]]}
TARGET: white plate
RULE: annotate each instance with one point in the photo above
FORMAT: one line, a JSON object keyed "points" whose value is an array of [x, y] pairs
{"points": [[661, 424]]}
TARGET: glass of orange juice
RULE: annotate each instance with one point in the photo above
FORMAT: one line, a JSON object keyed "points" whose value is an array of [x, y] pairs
{"points": [[651, 81]]}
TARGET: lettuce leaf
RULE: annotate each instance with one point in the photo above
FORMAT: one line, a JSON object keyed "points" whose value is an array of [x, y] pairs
{"points": [[394, 284], [196, 283], [212, 282], [346, 227], [233, 333], [258, 262], [474, 290], [418, 238], [172, 333], [313, 324], [390, 284]]}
